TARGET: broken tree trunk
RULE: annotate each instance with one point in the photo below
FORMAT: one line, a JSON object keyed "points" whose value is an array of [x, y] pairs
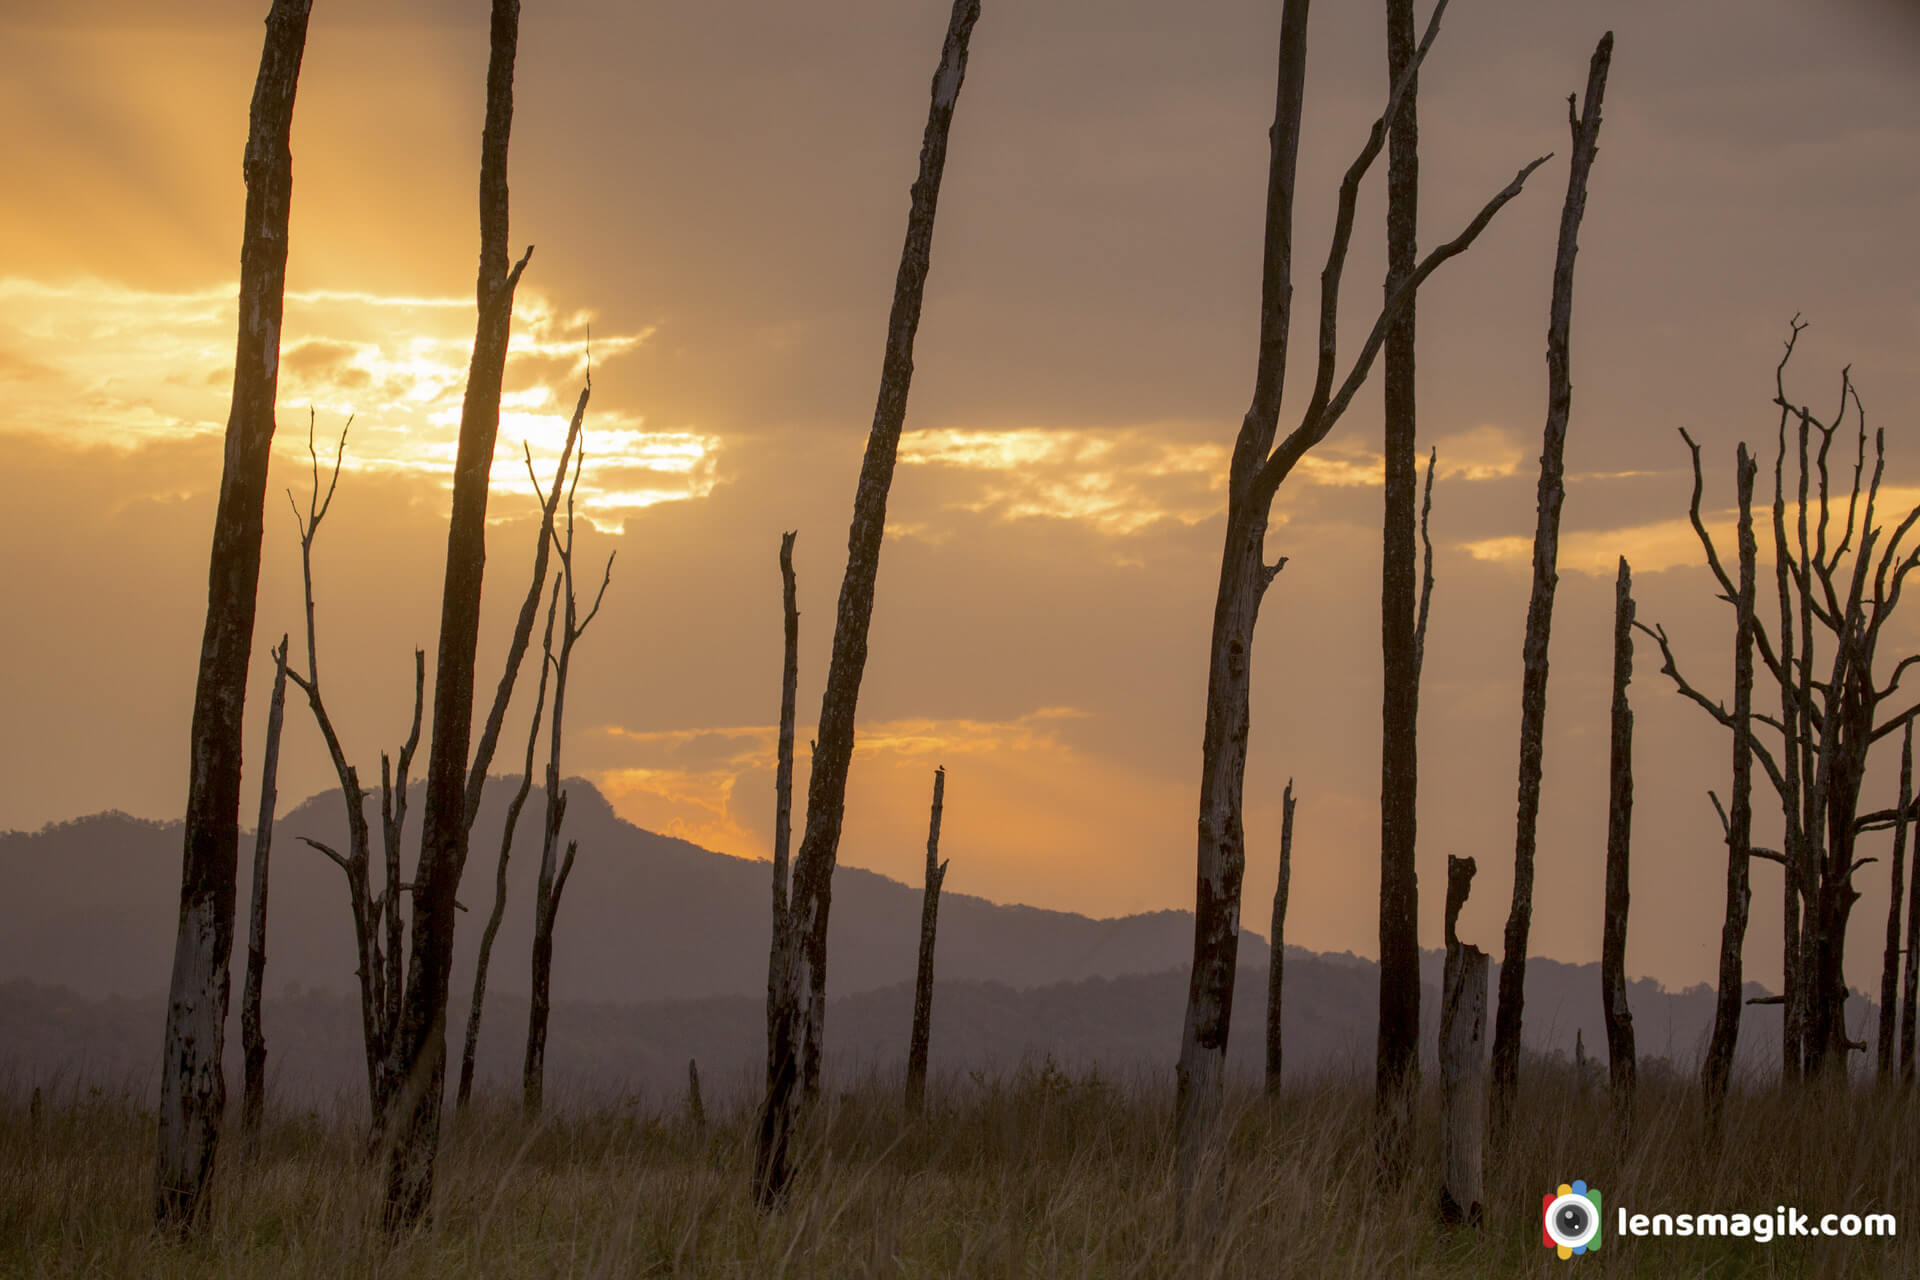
{"points": [[193, 1089], [1910, 996], [1546, 550], [1621, 1065], [923, 978], [696, 1108], [253, 1040], [420, 1048], [1890, 971], [1718, 1067], [798, 1015], [1463, 1062], [1277, 955], [1397, 1059], [779, 955]]}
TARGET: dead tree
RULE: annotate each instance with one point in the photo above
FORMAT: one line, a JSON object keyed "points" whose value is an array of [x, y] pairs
{"points": [[253, 1041], [1277, 954], [1397, 1061], [1257, 470], [1890, 967], [1831, 718], [1910, 995], [696, 1108], [1585, 127], [778, 940], [798, 1014], [420, 1049], [1463, 1062], [377, 921], [1622, 1067], [476, 779], [193, 1088], [923, 976], [1718, 1067], [554, 869]]}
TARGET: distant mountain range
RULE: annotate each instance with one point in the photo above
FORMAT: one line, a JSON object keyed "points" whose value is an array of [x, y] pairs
{"points": [[661, 956]]}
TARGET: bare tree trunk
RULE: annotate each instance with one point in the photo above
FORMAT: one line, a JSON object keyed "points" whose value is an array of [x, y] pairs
{"points": [[1718, 1067], [779, 952], [1890, 971], [1622, 1067], [1794, 847], [696, 1108], [923, 978], [1463, 1063], [1277, 956], [420, 1049], [1397, 1061], [554, 870], [799, 1005], [193, 1090], [1910, 997], [1546, 548], [254, 1093]]}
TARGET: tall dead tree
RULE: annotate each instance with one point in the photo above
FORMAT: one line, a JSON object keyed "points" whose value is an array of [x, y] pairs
{"points": [[1277, 953], [483, 756], [1831, 714], [1890, 967], [253, 1040], [1910, 994], [1717, 1069], [420, 1048], [1397, 1060], [1463, 1062], [1257, 470], [193, 1089], [1585, 127], [799, 1012], [778, 939], [554, 869], [1622, 1067], [923, 976]]}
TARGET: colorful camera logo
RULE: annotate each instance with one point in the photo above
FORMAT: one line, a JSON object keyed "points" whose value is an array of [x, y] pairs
{"points": [[1570, 1219]]}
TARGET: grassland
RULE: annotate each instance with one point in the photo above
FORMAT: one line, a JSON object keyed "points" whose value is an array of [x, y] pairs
{"points": [[1034, 1175]]}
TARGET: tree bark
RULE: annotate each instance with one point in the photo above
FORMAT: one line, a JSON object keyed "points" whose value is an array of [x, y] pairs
{"points": [[253, 1041], [779, 955], [420, 1050], [923, 977], [1890, 970], [193, 1090], [801, 1005], [696, 1107], [1910, 998], [1622, 1066], [1277, 956], [1463, 1063], [1718, 1068], [1397, 1061], [1546, 545]]}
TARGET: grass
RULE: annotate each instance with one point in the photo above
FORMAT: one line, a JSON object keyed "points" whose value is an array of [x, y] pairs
{"points": [[1034, 1175]]}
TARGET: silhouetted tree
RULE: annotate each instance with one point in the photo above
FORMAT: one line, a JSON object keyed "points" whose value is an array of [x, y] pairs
{"points": [[253, 1041], [1622, 1069], [1585, 127], [1463, 1058], [554, 869], [923, 976], [420, 1048], [193, 1090], [1910, 995], [1890, 968], [1277, 952], [1258, 468], [779, 940], [799, 1013]]}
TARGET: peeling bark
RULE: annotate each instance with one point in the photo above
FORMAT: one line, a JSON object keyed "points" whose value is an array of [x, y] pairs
{"points": [[1546, 546], [923, 976], [253, 1040], [420, 1048], [193, 1090], [1622, 1070], [799, 1011], [1277, 955]]}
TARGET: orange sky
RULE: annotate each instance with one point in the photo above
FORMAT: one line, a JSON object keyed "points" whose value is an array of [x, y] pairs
{"points": [[717, 194]]}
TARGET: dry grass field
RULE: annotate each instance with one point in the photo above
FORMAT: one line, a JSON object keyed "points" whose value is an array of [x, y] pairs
{"points": [[1035, 1175]]}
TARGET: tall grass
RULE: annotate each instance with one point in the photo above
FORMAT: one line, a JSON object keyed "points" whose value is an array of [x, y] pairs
{"points": [[1034, 1175]]}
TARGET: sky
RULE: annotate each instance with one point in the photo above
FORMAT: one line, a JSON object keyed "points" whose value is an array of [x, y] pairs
{"points": [[717, 194]]}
